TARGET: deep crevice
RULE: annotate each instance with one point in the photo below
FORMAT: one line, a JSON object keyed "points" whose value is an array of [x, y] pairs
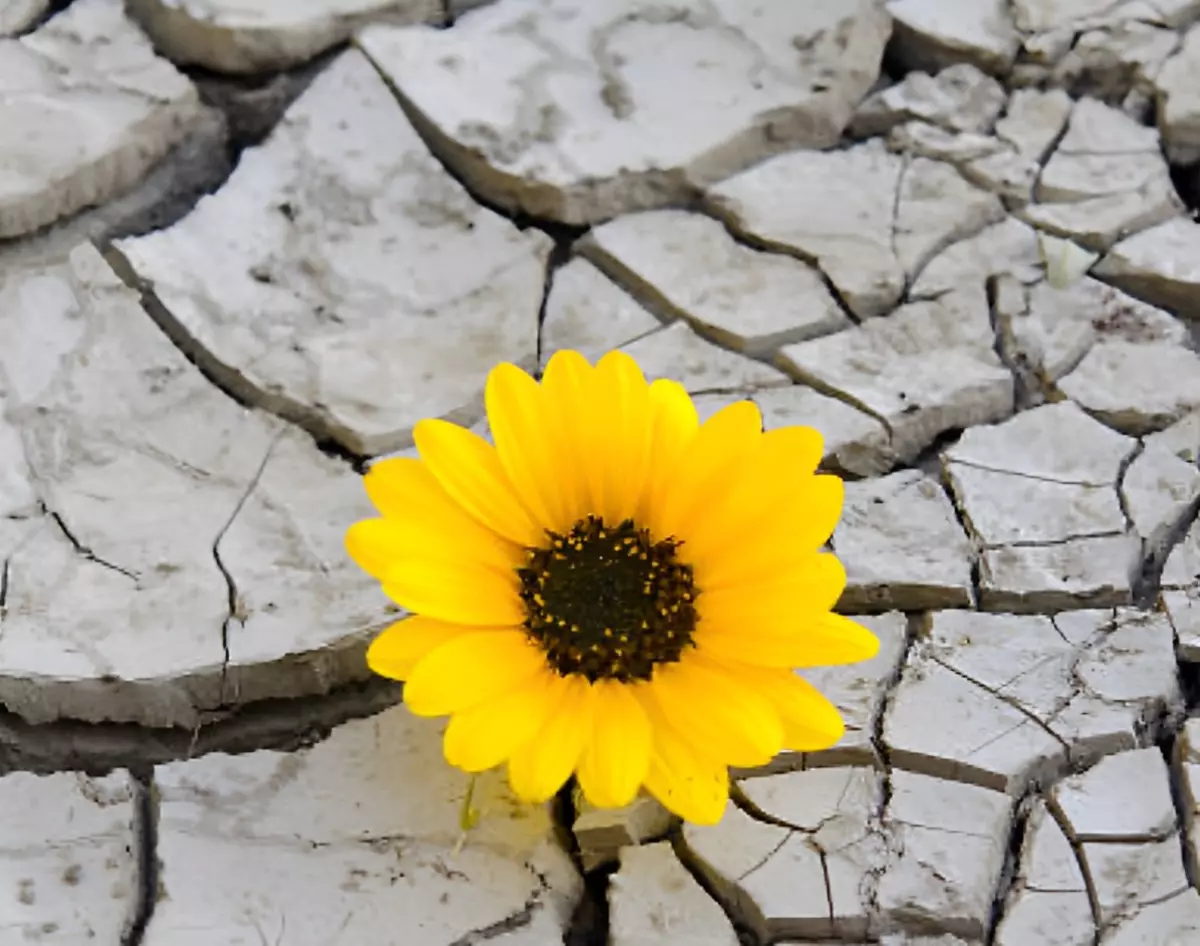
{"points": [[559, 255], [1017, 836], [978, 546], [1085, 870], [589, 923], [54, 9], [254, 105], [1122, 470], [917, 625], [1189, 683], [283, 724], [742, 927], [1028, 389], [1186, 179], [1148, 581], [1171, 746], [145, 834]]}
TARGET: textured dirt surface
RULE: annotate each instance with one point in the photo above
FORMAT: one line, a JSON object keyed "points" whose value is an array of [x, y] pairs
{"points": [[241, 255]]}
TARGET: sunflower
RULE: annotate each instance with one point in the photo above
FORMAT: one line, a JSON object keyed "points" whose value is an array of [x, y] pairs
{"points": [[613, 591]]}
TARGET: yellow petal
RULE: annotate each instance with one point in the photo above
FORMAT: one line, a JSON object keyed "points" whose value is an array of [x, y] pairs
{"points": [[816, 641], [813, 513], [673, 424], [469, 469], [371, 544], [621, 461], [489, 733], [569, 384], [778, 543], [766, 479], [462, 592], [811, 584], [703, 469], [377, 545], [811, 723], [397, 649], [413, 502], [470, 669], [616, 757], [716, 712], [527, 442], [540, 767], [683, 779]]}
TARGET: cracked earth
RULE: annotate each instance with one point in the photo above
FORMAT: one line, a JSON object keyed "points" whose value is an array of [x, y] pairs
{"points": [[243, 249]]}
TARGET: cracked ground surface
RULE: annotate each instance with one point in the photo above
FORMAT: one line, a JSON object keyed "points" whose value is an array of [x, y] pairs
{"points": [[240, 256]]}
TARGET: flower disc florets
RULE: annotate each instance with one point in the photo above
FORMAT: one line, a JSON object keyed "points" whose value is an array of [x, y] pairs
{"points": [[607, 602]]}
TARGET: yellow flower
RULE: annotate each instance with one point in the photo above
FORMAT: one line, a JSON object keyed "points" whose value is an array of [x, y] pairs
{"points": [[614, 590]]}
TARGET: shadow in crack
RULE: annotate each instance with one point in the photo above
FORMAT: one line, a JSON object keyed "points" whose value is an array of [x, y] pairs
{"points": [[98, 748], [1187, 184]]}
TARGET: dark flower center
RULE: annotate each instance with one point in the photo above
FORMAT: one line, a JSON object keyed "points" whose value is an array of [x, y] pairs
{"points": [[608, 603]]}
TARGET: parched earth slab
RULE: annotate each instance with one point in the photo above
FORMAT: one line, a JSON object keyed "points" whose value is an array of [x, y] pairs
{"points": [[685, 265], [801, 874], [931, 35], [1187, 771], [1171, 921], [957, 99], [1063, 527], [1121, 820], [231, 36], [355, 839], [1161, 491], [1104, 152], [68, 861], [1097, 223], [1116, 61], [1124, 797], [589, 313], [1160, 265], [1048, 902], [1182, 569], [18, 15], [1009, 247], [678, 353], [1001, 699], [559, 109], [88, 110], [1178, 101], [902, 546], [928, 368], [341, 278], [1049, 330], [652, 896], [868, 219], [1183, 609], [603, 834], [1182, 439], [167, 552], [1138, 389], [1038, 16], [951, 841], [1032, 124], [855, 441]]}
